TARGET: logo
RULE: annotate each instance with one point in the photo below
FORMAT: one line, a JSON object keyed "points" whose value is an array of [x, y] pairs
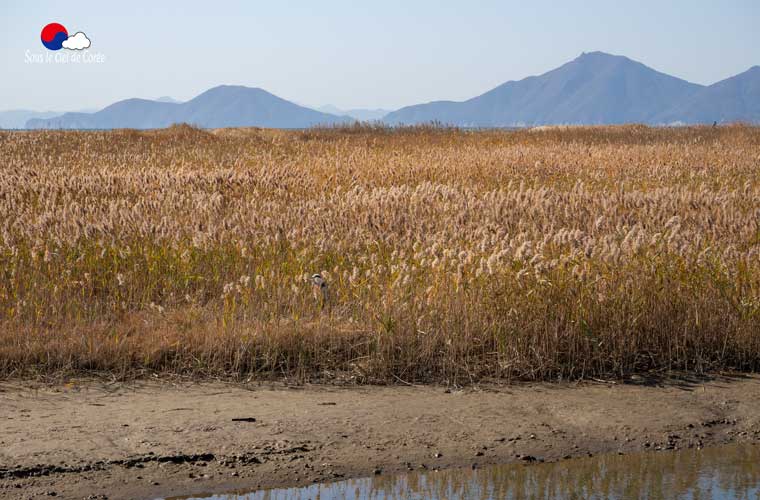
{"points": [[55, 37]]}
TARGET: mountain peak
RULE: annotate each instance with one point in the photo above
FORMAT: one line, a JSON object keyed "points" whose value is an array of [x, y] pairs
{"points": [[595, 88], [232, 88], [597, 60], [598, 55], [595, 53], [221, 106]]}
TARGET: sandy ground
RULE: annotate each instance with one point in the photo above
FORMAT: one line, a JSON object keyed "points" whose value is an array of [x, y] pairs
{"points": [[152, 439]]}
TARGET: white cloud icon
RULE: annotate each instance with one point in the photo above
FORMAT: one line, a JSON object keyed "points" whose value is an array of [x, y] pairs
{"points": [[77, 41]]}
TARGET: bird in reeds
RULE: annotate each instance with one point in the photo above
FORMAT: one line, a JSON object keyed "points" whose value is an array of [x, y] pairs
{"points": [[319, 289]]}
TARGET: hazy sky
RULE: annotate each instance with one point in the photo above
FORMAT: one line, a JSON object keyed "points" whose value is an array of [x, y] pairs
{"points": [[382, 54]]}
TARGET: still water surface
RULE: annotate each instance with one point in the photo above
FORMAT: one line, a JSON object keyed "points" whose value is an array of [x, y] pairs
{"points": [[726, 472]]}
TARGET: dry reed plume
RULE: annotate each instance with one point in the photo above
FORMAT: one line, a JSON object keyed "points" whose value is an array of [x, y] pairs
{"points": [[450, 256]]}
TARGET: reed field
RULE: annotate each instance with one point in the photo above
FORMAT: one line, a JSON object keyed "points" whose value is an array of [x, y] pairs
{"points": [[450, 256]]}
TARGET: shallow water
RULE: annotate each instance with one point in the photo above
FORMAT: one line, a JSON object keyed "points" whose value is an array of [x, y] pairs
{"points": [[726, 472]]}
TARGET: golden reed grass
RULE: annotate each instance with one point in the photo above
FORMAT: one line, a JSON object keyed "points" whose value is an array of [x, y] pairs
{"points": [[451, 256]]}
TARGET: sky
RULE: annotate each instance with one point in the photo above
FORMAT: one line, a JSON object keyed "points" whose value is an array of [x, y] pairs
{"points": [[353, 54]]}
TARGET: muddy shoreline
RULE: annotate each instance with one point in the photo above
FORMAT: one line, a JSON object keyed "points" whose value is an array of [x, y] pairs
{"points": [[89, 439]]}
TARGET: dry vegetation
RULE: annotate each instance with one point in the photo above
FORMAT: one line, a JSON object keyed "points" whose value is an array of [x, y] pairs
{"points": [[451, 256]]}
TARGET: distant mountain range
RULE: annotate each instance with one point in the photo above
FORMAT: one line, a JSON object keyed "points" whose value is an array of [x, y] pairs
{"points": [[363, 115], [17, 118], [223, 106], [736, 98], [595, 88]]}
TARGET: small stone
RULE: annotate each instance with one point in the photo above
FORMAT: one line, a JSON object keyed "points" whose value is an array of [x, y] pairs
{"points": [[377, 472], [479, 454], [438, 455]]}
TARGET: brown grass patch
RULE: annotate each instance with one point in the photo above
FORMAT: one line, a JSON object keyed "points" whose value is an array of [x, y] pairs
{"points": [[451, 255]]}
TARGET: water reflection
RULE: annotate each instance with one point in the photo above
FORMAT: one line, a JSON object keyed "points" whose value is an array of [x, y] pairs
{"points": [[728, 472]]}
